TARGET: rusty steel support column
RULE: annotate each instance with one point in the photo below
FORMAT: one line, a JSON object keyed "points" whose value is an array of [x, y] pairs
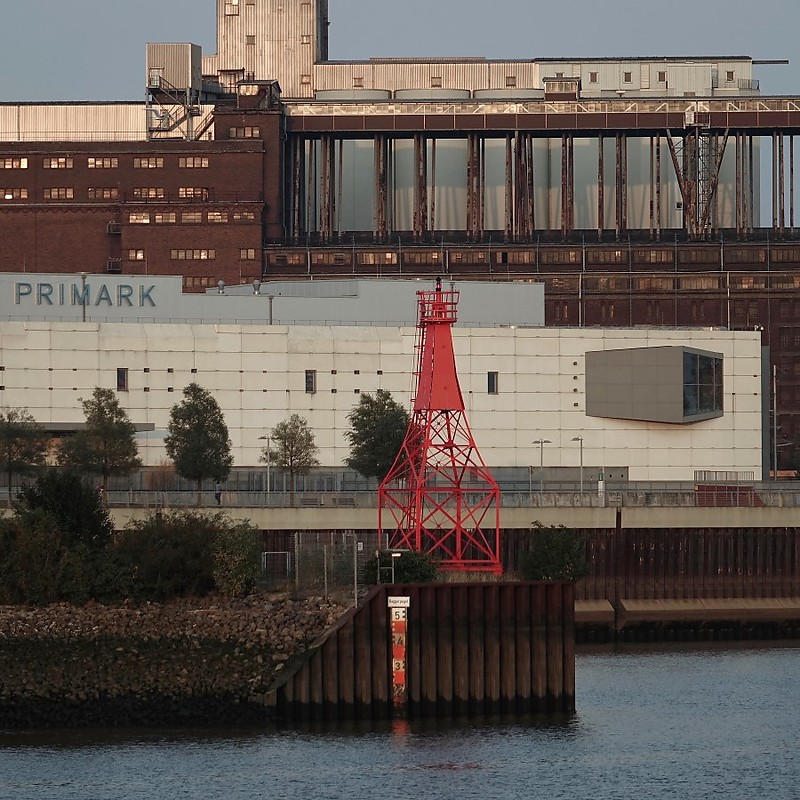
{"points": [[298, 184], [658, 188], [749, 211], [624, 183], [652, 204], [530, 175], [432, 222], [508, 193], [311, 192], [564, 185], [420, 219], [339, 190], [325, 189], [519, 170], [601, 181], [482, 188], [618, 187], [471, 169], [380, 178], [781, 186], [570, 183], [688, 178], [774, 181], [737, 183], [791, 182]]}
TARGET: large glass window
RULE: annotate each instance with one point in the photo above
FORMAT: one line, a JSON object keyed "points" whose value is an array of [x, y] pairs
{"points": [[702, 384]]}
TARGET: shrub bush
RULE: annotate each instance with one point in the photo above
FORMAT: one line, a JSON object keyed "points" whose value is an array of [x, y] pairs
{"points": [[554, 554], [236, 554], [410, 567], [74, 505]]}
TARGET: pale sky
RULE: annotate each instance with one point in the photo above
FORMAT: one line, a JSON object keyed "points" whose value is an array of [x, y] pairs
{"points": [[95, 49]]}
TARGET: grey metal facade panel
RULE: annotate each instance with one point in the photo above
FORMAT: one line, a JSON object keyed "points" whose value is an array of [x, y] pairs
{"points": [[179, 63], [637, 383], [76, 122], [73, 122], [644, 383]]}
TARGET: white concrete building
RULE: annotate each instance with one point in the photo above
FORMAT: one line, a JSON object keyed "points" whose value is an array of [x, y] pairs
{"points": [[520, 384]]}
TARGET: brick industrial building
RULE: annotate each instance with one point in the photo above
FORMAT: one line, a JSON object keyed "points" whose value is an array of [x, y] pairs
{"points": [[632, 188]]}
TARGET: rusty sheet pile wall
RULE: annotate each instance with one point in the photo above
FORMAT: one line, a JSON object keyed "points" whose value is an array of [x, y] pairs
{"points": [[471, 649]]}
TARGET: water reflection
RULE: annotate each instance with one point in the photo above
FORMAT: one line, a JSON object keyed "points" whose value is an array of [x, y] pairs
{"points": [[655, 722]]}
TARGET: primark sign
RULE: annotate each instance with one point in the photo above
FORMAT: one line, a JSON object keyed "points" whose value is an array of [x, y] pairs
{"points": [[89, 297], [84, 293], [96, 297]]}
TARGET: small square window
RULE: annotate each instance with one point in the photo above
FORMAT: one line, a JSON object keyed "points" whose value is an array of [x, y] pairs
{"points": [[593, 77], [492, 386], [627, 77], [729, 76]]}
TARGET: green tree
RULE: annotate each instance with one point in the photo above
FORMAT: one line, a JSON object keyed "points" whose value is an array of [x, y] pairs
{"points": [[378, 425], [74, 505], [294, 451], [23, 444], [197, 438], [555, 553], [107, 445]]}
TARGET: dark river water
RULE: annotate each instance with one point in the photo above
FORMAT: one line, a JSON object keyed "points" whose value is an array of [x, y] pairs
{"points": [[672, 723]]}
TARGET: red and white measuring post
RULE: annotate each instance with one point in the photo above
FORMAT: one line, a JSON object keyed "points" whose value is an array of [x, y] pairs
{"points": [[398, 622]]}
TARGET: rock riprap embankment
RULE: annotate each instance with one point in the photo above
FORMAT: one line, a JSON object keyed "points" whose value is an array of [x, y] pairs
{"points": [[199, 661]]}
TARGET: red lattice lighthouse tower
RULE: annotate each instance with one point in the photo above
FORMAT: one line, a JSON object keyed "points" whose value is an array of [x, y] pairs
{"points": [[439, 496]]}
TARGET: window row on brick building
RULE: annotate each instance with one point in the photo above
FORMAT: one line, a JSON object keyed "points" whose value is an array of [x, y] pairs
{"points": [[105, 162], [189, 217], [192, 254], [202, 193]]}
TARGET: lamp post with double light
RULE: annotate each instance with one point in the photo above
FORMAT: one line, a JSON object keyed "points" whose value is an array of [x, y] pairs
{"points": [[541, 443], [580, 440]]}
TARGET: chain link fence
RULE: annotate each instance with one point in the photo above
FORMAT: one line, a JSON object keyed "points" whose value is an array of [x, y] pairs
{"points": [[328, 563]]}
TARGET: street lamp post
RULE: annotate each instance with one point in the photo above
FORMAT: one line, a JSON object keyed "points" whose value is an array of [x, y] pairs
{"points": [[580, 439], [541, 443]]}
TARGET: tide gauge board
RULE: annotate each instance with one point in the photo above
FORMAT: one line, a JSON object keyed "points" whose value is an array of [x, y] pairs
{"points": [[398, 622]]}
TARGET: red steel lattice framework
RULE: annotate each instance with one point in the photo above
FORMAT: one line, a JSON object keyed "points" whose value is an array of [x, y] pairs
{"points": [[439, 497]]}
